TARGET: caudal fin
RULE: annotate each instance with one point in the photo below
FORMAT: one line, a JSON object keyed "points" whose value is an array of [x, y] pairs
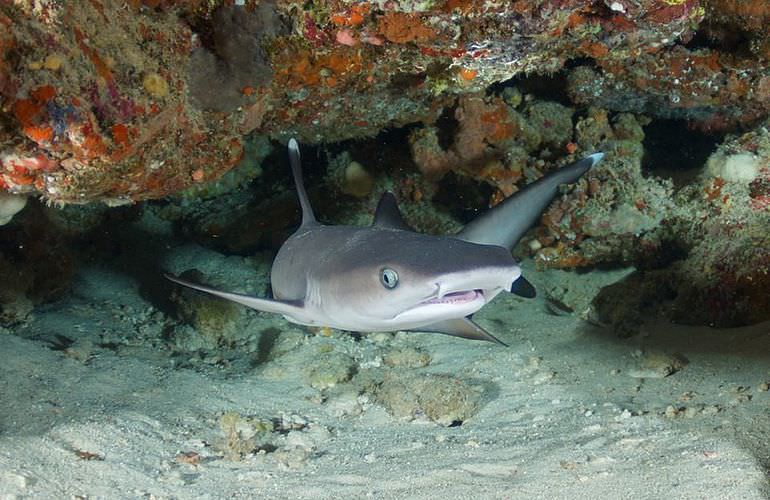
{"points": [[506, 223]]}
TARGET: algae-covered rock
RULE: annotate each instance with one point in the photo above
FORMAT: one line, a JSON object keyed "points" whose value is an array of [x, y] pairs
{"points": [[241, 435], [329, 369], [553, 120], [444, 399], [215, 320]]}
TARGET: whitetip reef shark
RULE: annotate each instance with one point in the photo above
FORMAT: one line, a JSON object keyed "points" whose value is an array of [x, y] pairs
{"points": [[387, 277]]}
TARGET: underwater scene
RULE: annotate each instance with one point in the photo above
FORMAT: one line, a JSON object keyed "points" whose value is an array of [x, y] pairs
{"points": [[385, 249]]}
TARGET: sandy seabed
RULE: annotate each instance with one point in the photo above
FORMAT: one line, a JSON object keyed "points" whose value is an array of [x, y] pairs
{"points": [[91, 409]]}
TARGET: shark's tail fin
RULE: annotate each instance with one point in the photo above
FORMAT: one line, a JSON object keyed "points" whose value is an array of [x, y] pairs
{"points": [[308, 217], [506, 223]]}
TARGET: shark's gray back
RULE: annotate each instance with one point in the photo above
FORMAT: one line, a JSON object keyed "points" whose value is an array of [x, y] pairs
{"points": [[317, 252]]}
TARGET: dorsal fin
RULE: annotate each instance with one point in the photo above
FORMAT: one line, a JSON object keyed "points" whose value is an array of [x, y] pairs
{"points": [[388, 215], [506, 223], [308, 217]]}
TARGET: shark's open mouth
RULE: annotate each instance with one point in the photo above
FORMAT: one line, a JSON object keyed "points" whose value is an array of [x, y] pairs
{"points": [[456, 297], [440, 307]]}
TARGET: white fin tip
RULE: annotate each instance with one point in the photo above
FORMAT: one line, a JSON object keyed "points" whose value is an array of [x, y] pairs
{"points": [[595, 158]]}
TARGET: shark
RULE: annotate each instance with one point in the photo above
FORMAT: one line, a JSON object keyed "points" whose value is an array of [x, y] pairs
{"points": [[388, 277]]}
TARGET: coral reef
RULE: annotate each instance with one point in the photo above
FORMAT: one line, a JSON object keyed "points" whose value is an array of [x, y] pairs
{"points": [[713, 91], [121, 102], [98, 106], [700, 247], [720, 81], [727, 271], [720, 225], [494, 140], [114, 102], [615, 213]]}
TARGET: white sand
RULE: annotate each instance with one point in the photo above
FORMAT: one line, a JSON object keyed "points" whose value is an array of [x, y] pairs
{"points": [[565, 411]]}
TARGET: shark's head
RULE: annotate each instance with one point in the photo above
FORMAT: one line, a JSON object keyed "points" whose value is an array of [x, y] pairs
{"points": [[388, 279]]}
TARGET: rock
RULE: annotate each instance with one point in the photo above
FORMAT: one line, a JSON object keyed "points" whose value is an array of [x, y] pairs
{"points": [[10, 205]]}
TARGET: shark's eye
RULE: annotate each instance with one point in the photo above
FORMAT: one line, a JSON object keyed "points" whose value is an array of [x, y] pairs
{"points": [[388, 278]]}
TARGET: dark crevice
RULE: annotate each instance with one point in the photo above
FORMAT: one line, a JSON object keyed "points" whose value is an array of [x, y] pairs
{"points": [[548, 87], [721, 38], [675, 151], [463, 197], [447, 126]]}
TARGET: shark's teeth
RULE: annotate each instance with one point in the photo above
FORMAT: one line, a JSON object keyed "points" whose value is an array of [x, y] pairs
{"points": [[456, 297]]}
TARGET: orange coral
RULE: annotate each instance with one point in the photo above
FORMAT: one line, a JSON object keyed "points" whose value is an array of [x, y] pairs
{"points": [[468, 74], [484, 124], [496, 122], [39, 134], [398, 27], [26, 110], [43, 94], [93, 146], [353, 17], [120, 134], [328, 69]]}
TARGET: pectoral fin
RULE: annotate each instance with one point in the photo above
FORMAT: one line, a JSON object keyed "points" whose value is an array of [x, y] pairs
{"points": [[267, 305], [460, 327]]}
